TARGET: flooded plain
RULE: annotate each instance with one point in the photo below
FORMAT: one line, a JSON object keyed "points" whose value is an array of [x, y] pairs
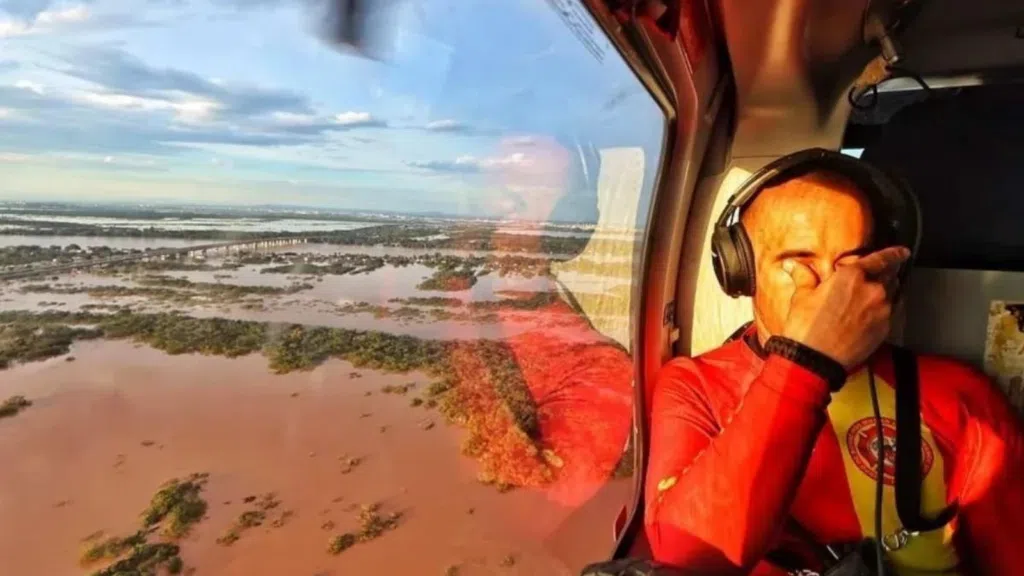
{"points": [[109, 428], [111, 420], [330, 300]]}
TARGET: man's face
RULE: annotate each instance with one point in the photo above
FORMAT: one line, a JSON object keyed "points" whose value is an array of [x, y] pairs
{"points": [[819, 221]]}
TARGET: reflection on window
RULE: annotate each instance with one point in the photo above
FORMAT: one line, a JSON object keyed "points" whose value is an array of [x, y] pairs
{"points": [[268, 306]]}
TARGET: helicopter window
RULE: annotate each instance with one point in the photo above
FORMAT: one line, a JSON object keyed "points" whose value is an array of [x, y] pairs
{"points": [[315, 306]]}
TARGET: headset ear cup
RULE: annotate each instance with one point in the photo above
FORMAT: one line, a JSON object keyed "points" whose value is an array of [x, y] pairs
{"points": [[908, 214], [746, 271], [722, 259], [732, 259]]}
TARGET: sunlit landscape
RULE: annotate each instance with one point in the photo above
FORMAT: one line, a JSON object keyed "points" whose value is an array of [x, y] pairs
{"points": [[322, 374], [274, 303]]}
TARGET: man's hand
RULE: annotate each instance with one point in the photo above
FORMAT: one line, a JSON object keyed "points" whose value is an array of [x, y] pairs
{"points": [[847, 316]]}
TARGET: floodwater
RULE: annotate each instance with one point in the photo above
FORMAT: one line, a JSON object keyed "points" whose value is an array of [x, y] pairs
{"points": [[137, 243], [105, 431], [327, 249], [319, 306]]}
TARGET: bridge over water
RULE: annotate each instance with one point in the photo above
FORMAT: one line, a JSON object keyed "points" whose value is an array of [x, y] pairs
{"points": [[157, 254]]}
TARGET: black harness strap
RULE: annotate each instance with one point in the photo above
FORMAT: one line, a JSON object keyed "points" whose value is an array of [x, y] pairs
{"points": [[908, 447], [739, 332]]}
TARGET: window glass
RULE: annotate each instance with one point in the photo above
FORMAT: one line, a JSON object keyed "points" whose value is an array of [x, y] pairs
{"points": [[271, 304]]}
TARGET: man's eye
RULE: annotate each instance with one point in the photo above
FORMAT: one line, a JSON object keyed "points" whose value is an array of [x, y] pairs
{"points": [[808, 262]]}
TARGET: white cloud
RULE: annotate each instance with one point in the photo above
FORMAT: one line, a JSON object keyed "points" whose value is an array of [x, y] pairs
{"points": [[45, 21], [352, 117], [294, 119], [12, 157], [6, 113], [494, 162], [517, 159], [186, 108], [30, 86], [445, 125], [69, 15], [195, 110], [10, 27], [355, 119], [467, 161], [108, 159]]}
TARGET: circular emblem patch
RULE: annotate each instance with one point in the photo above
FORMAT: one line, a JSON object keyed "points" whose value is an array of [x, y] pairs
{"points": [[862, 443]]}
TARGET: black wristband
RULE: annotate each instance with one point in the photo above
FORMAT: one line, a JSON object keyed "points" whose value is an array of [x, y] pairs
{"points": [[832, 371]]}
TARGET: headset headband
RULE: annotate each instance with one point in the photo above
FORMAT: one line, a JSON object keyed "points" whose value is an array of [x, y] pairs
{"points": [[894, 207]]}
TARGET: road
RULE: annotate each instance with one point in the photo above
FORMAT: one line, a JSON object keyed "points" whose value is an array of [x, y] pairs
{"points": [[147, 255]]}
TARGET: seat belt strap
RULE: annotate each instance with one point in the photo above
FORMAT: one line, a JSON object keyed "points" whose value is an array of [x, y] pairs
{"points": [[908, 447]]}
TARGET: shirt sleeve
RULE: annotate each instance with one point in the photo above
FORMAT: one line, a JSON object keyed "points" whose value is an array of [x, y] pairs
{"points": [[580, 388], [717, 493], [992, 467]]}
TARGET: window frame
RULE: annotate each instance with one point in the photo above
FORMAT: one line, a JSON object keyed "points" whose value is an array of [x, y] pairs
{"points": [[652, 75]]}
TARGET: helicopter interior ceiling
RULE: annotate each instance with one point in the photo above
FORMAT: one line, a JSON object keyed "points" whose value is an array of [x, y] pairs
{"points": [[793, 60]]}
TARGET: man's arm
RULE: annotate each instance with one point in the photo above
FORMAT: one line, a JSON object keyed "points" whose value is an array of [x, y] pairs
{"points": [[716, 497], [991, 469]]}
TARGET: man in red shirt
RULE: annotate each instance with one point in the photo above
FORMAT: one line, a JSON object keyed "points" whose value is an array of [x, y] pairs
{"points": [[751, 439]]}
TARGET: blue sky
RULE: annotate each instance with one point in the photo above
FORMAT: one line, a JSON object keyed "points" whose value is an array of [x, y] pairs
{"points": [[468, 106]]}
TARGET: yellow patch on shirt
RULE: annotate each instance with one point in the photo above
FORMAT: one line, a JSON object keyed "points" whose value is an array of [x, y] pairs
{"points": [[666, 483], [852, 418]]}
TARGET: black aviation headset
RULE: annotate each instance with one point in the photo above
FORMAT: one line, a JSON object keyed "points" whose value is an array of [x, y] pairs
{"points": [[894, 209]]}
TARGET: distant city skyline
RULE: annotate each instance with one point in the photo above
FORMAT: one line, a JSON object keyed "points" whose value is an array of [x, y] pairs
{"points": [[475, 109]]}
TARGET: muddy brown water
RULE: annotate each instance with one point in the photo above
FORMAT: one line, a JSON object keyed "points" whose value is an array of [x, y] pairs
{"points": [[106, 430], [134, 243], [316, 306]]}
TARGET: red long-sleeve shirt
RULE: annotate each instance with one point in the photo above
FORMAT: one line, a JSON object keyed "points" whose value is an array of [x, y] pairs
{"points": [[739, 441], [581, 384]]}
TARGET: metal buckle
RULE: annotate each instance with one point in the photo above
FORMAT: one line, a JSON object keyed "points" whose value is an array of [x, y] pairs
{"points": [[898, 540]]}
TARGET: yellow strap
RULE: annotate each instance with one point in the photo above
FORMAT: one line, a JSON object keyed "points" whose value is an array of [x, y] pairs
{"points": [[852, 418]]}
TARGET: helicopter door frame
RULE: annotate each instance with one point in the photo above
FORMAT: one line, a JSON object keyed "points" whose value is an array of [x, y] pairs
{"points": [[685, 73]]}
